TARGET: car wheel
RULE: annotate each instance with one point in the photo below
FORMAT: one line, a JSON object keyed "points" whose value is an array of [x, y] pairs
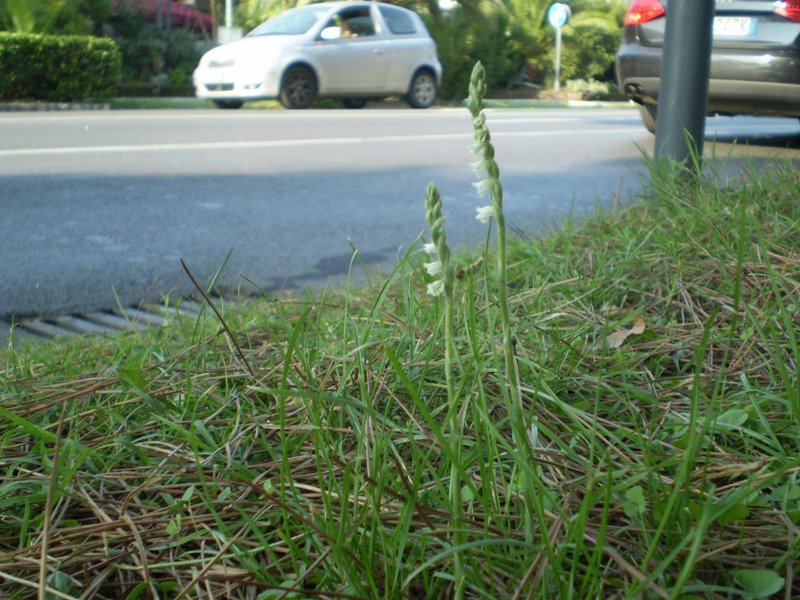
{"points": [[299, 88], [649, 113], [422, 92], [354, 102], [229, 104]]}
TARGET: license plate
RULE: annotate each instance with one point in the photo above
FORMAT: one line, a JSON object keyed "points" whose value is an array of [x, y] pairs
{"points": [[734, 26]]}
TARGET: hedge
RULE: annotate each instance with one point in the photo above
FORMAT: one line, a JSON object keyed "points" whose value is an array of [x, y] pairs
{"points": [[57, 68]]}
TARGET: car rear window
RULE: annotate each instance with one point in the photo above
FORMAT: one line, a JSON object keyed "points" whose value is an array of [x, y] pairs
{"points": [[399, 21]]}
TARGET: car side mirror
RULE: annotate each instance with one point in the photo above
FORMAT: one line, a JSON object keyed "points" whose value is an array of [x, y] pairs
{"points": [[331, 33]]}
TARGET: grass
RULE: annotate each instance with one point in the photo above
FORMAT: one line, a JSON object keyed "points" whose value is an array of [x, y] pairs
{"points": [[656, 353], [154, 103]]}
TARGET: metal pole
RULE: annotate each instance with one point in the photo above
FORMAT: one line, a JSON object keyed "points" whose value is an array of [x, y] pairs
{"points": [[557, 82], [683, 93], [228, 13]]}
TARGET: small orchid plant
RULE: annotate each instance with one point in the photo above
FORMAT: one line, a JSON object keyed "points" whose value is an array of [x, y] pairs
{"points": [[441, 270], [486, 167]]}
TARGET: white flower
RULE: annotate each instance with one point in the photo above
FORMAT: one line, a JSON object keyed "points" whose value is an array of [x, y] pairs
{"points": [[429, 248], [485, 213], [480, 168], [479, 125], [477, 148], [436, 288], [483, 187], [433, 268]]}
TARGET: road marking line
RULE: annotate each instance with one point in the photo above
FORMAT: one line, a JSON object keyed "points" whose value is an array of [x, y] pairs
{"points": [[295, 143]]}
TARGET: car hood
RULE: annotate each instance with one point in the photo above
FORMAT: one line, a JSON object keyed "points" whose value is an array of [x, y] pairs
{"points": [[249, 49]]}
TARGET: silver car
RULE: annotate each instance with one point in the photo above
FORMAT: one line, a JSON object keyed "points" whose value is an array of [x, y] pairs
{"points": [[755, 57], [348, 50]]}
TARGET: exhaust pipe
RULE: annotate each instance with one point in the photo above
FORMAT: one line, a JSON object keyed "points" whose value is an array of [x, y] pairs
{"points": [[634, 91]]}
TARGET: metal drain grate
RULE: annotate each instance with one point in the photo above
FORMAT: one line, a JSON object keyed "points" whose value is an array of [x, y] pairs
{"points": [[100, 322]]}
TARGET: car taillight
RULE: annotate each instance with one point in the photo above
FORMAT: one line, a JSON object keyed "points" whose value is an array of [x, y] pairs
{"points": [[789, 9], [642, 11]]}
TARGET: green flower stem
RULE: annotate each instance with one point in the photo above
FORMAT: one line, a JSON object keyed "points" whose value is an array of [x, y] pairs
{"points": [[484, 151], [459, 539], [502, 294], [435, 220]]}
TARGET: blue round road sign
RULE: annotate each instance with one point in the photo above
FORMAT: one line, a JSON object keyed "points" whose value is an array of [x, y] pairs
{"points": [[558, 15]]}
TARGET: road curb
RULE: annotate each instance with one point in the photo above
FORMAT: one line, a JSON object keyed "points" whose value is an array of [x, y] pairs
{"points": [[13, 106], [22, 106]]}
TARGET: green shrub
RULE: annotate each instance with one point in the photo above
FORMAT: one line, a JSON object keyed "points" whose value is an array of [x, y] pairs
{"points": [[493, 46], [57, 68], [468, 35], [589, 48], [454, 53], [590, 89]]}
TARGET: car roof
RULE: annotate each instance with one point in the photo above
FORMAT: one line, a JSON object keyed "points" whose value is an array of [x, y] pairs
{"points": [[353, 2]]}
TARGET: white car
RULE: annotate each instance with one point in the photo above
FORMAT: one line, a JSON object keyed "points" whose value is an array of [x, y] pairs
{"points": [[348, 50]]}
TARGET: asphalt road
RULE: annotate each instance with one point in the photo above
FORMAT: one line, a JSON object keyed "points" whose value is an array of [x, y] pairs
{"points": [[100, 206]]}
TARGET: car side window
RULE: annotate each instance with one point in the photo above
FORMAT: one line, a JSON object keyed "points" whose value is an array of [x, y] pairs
{"points": [[399, 21], [355, 22]]}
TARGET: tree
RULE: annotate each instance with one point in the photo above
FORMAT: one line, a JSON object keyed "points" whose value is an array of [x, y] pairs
{"points": [[29, 16], [531, 35], [473, 30], [80, 17], [153, 52], [251, 13]]}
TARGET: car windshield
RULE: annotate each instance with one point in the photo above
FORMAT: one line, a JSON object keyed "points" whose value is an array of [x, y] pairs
{"points": [[292, 22]]}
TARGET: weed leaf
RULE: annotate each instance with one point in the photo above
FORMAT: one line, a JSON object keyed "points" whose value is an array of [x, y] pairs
{"points": [[733, 418], [758, 583], [636, 502]]}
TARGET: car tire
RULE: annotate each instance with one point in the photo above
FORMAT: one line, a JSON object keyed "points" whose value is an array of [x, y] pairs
{"points": [[299, 88], [354, 102], [649, 114], [229, 104], [422, 92]]}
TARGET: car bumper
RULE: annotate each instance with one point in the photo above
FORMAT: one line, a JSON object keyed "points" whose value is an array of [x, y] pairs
{"points": [[224, 84], [767, 84]]}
